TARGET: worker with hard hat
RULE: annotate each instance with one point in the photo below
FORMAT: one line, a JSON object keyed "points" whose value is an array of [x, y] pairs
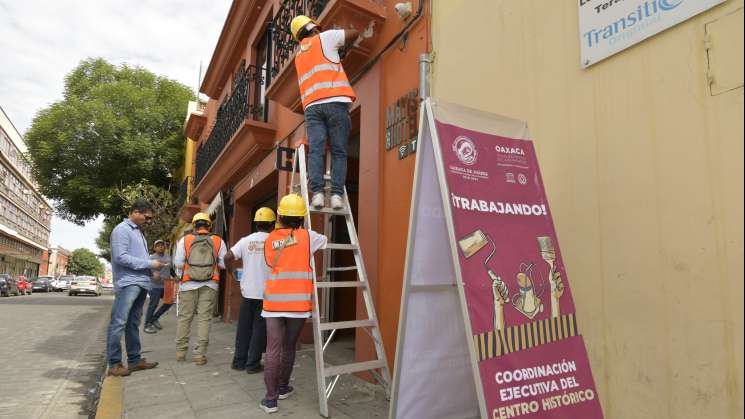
{"points": [[250, 336], [326, 95], [288, 295], [200, 256]]}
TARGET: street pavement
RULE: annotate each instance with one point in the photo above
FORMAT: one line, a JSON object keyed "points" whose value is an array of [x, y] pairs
{"points": [[51, 354]]}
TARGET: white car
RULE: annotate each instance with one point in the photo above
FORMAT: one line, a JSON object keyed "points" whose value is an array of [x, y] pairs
{"points": [[63, 282], [85, 285]]}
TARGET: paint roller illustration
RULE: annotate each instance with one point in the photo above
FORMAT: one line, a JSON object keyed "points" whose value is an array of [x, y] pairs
{"points": [[548, 253], [472, 244]]}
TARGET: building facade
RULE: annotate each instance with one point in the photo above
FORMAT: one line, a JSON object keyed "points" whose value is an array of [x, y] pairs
{"points": [[25, 216], [641, 154], [59, 258], [642, 160], [254, 109]]}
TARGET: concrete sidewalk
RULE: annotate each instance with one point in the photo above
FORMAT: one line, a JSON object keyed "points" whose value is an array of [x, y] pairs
{"points": [[184, 390]]}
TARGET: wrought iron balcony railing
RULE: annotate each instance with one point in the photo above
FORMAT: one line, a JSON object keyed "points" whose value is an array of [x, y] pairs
{"points": [[230, 116], [283, 45], [184, 191]]}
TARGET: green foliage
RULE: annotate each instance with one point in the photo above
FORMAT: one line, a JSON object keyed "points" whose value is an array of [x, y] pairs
{"points": [[165, 211], [85, 262], [115, 126]]}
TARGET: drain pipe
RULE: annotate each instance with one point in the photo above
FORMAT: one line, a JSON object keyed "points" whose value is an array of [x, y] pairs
{"points": [[425, 63]]}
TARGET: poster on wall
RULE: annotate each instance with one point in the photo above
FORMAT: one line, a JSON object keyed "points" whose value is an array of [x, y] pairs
{"points": [[487, 309], [607, 27]]}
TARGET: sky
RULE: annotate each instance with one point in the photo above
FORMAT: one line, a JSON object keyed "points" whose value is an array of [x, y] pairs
{"points": [[41, 41]]}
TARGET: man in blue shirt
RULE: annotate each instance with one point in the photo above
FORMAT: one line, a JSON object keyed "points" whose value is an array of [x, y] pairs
{"points": [[130, 266]]}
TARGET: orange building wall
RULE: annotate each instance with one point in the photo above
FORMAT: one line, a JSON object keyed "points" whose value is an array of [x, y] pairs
{"points": [[384, 214]]}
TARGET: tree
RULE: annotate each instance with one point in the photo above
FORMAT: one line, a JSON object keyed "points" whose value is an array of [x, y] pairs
{"points": [[84, 262], [165, 211], [114, 127]]}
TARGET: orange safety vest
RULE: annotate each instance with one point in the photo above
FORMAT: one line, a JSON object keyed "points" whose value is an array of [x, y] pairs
{"points": [[318, 77], [216, 243], [290, 285]]}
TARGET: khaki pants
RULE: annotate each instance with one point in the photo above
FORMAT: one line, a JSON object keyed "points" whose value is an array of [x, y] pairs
{"points": [[199, 303]]}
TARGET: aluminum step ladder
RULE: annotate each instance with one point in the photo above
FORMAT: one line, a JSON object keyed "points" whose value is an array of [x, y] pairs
{"points": [[324, 331]]}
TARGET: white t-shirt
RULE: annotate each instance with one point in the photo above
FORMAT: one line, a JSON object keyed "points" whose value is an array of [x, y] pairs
{"points": [[180, 258], [250, 250], [331, 41], [317, 241]]}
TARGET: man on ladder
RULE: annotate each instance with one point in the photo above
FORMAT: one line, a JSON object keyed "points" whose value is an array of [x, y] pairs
{"points": [[326, 95], [288, 294]]}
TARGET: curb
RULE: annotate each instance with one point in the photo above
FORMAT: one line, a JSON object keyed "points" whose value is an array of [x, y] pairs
{"points": [[110, 405]]}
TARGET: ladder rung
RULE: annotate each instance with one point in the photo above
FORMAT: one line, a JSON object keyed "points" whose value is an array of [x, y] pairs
{"points": [[341, 268], [341, 246], [340, 284], [329, 211], [346, 325], [352, 368]]}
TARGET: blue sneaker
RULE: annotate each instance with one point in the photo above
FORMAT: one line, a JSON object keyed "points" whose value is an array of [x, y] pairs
{"points": [[269, 406], [285, 392]]}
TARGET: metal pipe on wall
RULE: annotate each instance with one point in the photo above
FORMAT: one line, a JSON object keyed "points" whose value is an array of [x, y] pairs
{"points": [[425, 63]]}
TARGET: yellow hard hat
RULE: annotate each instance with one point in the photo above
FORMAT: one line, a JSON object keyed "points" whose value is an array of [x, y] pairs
{"points": [[265, 214], [292, 205], [201, 216], [298, 23]]}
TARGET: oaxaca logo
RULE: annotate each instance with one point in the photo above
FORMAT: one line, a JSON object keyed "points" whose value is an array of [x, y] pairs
{"points": [[465, 150], [510, 150], [646, 13]]}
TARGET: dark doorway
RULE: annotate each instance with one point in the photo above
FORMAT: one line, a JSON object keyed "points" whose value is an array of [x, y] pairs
{"points": [[343, 301]]}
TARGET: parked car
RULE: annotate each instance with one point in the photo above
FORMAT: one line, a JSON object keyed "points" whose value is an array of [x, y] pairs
{"points": [[8, 286], [63, 282], [24, 285], [108, 285], [85, 285], [43, 283]]}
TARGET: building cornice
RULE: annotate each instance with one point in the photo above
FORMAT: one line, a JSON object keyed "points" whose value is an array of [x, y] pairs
{"points": [[231, 41]]}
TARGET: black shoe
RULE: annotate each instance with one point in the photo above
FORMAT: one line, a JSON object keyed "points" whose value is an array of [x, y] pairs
{"points": [[285, 392], [255, 370], [269, 406], [237, 366]]}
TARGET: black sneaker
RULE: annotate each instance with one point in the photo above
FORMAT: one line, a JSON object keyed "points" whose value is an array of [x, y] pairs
{"points": [[237, 366], [157, 325], [255, 370], [150, 329], [285, 392], [269, 406]]}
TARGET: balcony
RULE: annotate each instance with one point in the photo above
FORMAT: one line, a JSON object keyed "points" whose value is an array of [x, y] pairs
{"points": [[196, 121], [357, 14], [186, 207], [238, 130]]}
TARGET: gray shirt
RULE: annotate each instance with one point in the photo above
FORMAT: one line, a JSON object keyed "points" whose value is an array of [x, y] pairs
{"points": [[130, 261], [164, 272]]}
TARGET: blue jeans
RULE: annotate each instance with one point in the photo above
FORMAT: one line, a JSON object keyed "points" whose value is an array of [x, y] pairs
{"points": [[332, 121], [125, 318], [151, 315]]}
